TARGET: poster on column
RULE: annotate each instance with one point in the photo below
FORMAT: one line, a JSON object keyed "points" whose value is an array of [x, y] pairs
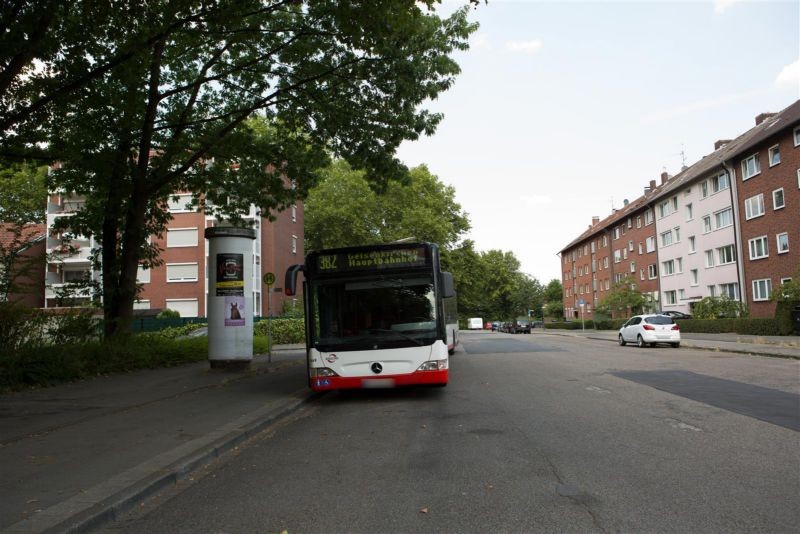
{"points": [[230, 275], [234, 311]]}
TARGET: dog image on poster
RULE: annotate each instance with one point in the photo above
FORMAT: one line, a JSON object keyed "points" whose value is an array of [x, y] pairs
{"points": [[234, 310]]}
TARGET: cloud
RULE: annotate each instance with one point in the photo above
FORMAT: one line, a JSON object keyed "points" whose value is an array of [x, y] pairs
{"points": [[694, 107], [790, 75], [720, 6], [525, 47], [536, 200]]}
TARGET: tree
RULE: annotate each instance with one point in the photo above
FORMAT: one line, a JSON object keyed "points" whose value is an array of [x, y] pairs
{"points": [[23, 198], [554, 292], [717, 307], [528, 295], [168, 105], [344, 211], [624, 299]]}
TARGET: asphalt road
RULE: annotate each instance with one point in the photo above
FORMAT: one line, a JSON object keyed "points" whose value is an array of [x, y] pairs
{"points": [[534, 433]]}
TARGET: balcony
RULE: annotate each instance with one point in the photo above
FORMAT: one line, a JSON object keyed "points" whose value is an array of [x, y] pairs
{"points": [[53, 291]]}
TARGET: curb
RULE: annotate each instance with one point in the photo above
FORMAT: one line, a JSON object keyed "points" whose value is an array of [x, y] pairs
{"points": [[110, 500], [717, 349]]}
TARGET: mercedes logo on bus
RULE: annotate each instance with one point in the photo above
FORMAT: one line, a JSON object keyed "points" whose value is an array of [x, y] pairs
{"points": [[376, 368]]}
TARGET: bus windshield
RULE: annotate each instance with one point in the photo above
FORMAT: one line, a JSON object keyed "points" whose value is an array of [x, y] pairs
{"points": [[361, 313]]}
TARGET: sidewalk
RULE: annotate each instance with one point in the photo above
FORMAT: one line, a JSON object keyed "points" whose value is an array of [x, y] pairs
{"points": [[78, 455], [774, 346]]}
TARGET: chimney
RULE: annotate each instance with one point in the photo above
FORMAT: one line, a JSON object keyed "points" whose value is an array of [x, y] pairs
{"points": [[721, 143], [647, 189], [625, 202], [764, 116], [652, 184], [664, 177], [595, 220]]}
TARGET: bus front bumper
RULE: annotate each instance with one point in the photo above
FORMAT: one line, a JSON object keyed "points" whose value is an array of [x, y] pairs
{"points": [[418, 378]]}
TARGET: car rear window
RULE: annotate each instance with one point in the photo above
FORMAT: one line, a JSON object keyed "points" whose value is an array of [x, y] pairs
{"points": [[659, 319]]}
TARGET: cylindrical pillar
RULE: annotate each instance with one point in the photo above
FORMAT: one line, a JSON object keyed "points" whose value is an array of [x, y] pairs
{"points": [[230, 294]]}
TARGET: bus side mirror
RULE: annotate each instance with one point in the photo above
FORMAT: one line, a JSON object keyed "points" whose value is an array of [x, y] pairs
{"points": [[448, 286], [290, 283]]}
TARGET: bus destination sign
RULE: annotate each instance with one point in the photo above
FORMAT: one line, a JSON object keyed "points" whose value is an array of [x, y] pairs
{"points": [[372, 259]]}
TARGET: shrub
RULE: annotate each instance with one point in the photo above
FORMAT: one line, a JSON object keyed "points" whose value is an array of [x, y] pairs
{"points": [[718, 307], [283, 330], [783, 316], [609, 324], [163, 314], [736, 325]]}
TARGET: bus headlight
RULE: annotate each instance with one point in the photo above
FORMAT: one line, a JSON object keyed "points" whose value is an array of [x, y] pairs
{"points": [[321, 371], [433, 365]]}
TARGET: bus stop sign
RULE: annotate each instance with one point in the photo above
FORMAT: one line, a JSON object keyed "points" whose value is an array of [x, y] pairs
{"points": [[269, 279]]}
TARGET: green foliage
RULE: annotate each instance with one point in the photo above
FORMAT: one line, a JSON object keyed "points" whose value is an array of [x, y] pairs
{"points": [[783, 316], [228, 99], [718, 307], [609, 324], [167, 313], [554, 291], [344, 210], [737, 325], [788, 291], [574, 325], [624, 299], [23, 328], [555, 309], [292, 310], [174, 332], [284, 331]]}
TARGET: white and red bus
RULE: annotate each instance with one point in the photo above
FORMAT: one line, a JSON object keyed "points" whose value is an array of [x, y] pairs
{"points": [[377, 316]]}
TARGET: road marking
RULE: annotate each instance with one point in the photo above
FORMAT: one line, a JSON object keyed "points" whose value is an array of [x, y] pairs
{"points": [[597, 389], [680, 425]]}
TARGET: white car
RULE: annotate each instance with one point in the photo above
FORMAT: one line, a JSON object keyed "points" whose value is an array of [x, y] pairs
{"points": [[647, 330]]}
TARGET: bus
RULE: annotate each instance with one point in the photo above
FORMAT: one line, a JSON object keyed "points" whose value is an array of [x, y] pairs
{"points": [[377, 316]]}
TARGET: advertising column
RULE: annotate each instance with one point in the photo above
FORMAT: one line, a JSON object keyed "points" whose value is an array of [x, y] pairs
{"points": [[230, 290]]}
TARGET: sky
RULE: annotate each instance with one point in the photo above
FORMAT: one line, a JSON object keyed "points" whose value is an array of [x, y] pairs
{"points": [[564, 109]]}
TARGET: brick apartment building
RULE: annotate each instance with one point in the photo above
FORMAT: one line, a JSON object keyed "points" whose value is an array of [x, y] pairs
{"points": [[620, 246], [28, 271], [723, 226], [181, 282]]}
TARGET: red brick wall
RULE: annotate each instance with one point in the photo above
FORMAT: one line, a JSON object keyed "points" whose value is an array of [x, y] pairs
{"points": [[773, 222]]}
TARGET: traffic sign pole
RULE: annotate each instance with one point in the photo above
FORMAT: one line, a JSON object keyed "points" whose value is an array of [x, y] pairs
{"points": [[269, 279]]}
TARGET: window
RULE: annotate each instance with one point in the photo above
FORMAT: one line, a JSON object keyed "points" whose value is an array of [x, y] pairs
{"points": [[630, 222], [783, 243], [652, 271], [593, 247], [720, 182], [692, 244], [694, 275], [668, 207], [666, 238], [750, 167], [641, 248], [630, 245], [762, 289], [180, 203], [141, 305], [639, 221], [605, 262], [585, 250], [651, 244], [729, 290], [181, 237], [754, 206], [689, 214], [294, 244], [678, 265], [294, 213], [723, 218], [633, 266], [616, 233], [758, 248], [797, 136], [774, 155], [186, 307], [624, 253], [667, 267], [619, 277], [648, 217], [605, 240], [641, 274], [617, 256], [670, 298], [181, 272], [677, 232], [143, 277], [726, 255], [709, 258], [682, 294], [778, 200], [704, 189], [706, 224], [712, 291], [580, 271]]}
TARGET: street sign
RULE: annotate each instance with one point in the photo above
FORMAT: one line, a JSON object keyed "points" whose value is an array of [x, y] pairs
{"points": [[581, 302], [269, 279]]}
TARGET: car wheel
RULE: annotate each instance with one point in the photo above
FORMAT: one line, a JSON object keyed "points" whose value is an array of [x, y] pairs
{"points": [[621, 341], [640, 342], [676, 345]]}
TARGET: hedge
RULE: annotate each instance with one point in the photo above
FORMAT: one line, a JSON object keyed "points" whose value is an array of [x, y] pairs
{"points": [[737, 325], [283, 330]]}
